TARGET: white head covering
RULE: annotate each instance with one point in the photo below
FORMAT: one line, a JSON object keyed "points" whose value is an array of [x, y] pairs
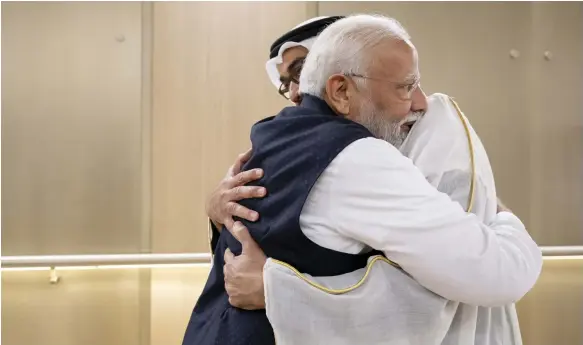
{"points": [[439, 145], [271, 64], [383, 305]]}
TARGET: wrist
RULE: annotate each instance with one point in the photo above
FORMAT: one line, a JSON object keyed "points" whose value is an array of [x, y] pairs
{"points": [[260, 302], [260, 295]]}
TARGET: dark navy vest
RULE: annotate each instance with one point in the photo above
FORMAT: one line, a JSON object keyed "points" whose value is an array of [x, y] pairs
{"points": [[293, 148]]}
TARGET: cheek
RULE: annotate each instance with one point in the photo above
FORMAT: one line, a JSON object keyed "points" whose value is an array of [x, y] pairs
{"points": [[294, 92], [396, 108], [392, 107], [402, 109], [355, 106]]}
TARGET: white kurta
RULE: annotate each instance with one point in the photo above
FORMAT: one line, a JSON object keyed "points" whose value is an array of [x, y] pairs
{"points": [[371, 196]]}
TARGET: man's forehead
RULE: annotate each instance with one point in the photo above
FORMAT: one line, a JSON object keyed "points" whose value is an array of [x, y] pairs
{"points": [[397, 60]]}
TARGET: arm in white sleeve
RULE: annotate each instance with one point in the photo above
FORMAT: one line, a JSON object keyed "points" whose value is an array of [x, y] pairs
{"points": [[381, 199]]}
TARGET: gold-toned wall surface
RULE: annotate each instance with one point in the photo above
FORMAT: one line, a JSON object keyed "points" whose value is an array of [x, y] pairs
{"points": [[71, 124], [71, 159], [552, 312], [174, 293], [556, 122], [90, 307]]}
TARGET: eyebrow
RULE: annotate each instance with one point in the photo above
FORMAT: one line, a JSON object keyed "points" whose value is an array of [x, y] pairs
{"points": [[292, 65], [412, 78], [295, 63]]}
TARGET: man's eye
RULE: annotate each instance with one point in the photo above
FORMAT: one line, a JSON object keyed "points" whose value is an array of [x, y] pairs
{"points": [[295, 73], [407, 87]]}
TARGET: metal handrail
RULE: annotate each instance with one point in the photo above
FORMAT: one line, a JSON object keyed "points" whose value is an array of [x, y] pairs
{"points": [[549, 251], [103, 260], [170, 259]]}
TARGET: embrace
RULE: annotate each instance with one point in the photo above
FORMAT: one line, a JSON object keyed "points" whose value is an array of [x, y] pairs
{"points": [[365, 214]]}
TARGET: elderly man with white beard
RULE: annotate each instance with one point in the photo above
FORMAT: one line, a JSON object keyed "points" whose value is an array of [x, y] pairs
{"points": [[363, 194], [381, 304]]}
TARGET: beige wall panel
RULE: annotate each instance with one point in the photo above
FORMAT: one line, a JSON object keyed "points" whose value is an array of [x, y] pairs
{"points": [[459, 56], [71, 127], [174, 293], [209, 87], [92, 307], [552, 313], [557, 124]]}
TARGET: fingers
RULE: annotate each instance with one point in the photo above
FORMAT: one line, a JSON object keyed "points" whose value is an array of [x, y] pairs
{"points": [[236, 210], [229, 222], [245, 156], [241, 160], [228, 267], [241, 233], [245, 192], [228, 256], [242, 178]]}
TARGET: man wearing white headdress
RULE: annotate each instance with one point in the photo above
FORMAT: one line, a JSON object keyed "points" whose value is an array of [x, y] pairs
{"points": [[446, 149], [287, 54], [286, 58]]}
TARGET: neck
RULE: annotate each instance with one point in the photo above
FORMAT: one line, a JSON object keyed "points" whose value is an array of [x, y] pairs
{"points": [[317, 103]]}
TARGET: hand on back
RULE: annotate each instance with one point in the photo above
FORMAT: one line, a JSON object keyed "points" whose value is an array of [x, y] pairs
{"points": [[222, 204]]}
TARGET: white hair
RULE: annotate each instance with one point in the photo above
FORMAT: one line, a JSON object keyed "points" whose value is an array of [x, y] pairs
{"points": [[342, 49]]}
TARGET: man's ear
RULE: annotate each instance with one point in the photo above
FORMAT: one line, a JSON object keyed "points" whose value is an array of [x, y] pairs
{"points": [[338, 92]]}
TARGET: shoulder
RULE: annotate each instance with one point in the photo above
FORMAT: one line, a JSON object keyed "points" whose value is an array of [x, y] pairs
{"points": [[370, 161], [298, 125], [371, 151]]}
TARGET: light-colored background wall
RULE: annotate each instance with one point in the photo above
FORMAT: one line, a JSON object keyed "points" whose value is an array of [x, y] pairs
{"points": [[118, 119]]}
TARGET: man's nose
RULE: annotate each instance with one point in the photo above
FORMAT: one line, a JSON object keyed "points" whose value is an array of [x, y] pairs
{"points": [[294, 93], [419, 101]]}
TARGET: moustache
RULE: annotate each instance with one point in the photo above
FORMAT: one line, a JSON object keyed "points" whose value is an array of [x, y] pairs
{"points": [[412, 117]]}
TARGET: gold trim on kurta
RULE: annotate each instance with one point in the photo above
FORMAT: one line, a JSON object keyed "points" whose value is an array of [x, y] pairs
{"points": [[337, 291], [472, 158]]}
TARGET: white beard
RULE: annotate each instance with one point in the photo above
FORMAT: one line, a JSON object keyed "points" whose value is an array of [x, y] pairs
{"points": [[376, 121]]}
